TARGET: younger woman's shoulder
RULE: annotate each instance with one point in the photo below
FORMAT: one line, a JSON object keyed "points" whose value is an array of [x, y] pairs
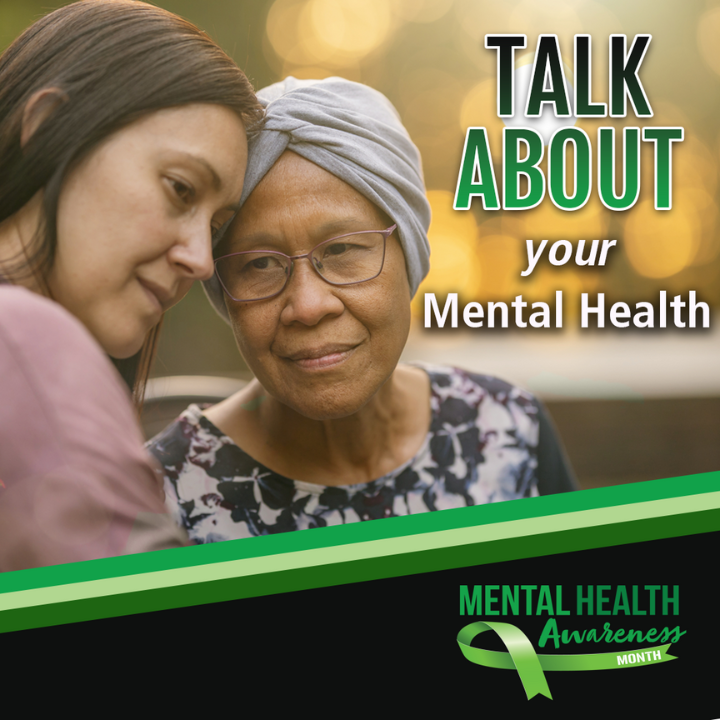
{"points": [[20, 301], [54, 353], [28, 318]]}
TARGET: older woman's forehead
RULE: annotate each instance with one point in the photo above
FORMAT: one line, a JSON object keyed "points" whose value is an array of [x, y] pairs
{"points": [[292, 172], [297, 185]]}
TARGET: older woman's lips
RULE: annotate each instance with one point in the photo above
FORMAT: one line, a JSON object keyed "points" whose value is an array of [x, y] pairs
{"points": [[322, 357]]}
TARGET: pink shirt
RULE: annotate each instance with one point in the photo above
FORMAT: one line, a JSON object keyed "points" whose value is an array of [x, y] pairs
{"points": [[75, 480]]}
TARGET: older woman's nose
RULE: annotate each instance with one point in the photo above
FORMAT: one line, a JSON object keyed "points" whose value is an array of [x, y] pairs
{"points": [[308, 298]]}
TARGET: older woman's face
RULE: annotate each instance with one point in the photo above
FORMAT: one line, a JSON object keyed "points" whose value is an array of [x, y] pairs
{"points": [[320, 349]]}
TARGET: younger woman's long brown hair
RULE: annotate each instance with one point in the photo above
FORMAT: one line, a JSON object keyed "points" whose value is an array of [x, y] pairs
{"points": [[110, 62]]}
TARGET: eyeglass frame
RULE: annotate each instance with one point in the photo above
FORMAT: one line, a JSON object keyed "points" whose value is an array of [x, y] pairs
{"points": [[385, 233]]}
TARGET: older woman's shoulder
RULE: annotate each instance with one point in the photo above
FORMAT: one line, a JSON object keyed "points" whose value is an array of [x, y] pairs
{"points": [[192, 441], [462, 398], [449, 380]]}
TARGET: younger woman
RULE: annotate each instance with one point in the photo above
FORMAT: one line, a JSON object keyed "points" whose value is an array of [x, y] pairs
{"points": [[122, 149]]}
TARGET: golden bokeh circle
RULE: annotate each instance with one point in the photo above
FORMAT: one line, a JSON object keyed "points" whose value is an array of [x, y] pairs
{"points": [[659, 244], [708, 31], [454, 260]]}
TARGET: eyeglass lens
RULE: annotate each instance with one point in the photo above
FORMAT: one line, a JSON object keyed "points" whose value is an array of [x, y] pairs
{"points": [[340, 261]]}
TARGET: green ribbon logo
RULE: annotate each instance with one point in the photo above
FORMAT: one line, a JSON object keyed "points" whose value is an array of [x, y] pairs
{"points": [[521, 656]]}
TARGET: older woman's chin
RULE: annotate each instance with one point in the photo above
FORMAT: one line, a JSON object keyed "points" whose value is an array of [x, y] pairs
{"points": [[334, 404]]}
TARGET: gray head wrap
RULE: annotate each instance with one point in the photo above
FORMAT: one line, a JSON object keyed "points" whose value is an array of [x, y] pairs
{"points": [[355, 133]]}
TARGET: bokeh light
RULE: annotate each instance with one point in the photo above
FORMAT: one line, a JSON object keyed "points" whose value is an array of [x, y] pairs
{"points": [[661, 244], [350, 28], [558, 17], [454, 259], [708, 32], [502, 257], [337, 33], [420, 11], [479, 109]]}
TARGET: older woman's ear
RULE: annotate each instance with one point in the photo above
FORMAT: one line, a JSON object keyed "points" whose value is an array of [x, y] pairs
{"points": [[38, 109]]}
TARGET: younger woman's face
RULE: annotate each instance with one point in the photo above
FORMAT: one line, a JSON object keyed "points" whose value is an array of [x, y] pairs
{"points": [[136, 217]]}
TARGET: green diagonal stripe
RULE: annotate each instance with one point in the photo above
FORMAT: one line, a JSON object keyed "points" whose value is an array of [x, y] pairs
{"points": [[345, 553], [494, 513], [247, 568]]}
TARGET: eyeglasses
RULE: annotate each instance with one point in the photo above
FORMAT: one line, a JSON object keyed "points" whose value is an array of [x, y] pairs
{"points": [[345, 260]]}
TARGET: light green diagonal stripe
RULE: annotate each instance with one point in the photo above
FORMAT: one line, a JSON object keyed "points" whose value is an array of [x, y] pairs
{"points": [[397, 546]]}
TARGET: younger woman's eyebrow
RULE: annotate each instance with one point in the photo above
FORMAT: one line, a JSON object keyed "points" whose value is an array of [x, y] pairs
{"points": [[210, 170], [216, 181], [207, 167]]}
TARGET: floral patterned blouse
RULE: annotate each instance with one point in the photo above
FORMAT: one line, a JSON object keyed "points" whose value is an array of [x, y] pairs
{"points": [[488, 441]]}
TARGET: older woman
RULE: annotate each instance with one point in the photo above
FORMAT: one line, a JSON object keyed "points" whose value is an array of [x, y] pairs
{"points": [[315, 276]]}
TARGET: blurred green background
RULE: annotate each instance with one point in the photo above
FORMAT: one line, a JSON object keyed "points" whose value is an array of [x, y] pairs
{"points": [[428, 57]]}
